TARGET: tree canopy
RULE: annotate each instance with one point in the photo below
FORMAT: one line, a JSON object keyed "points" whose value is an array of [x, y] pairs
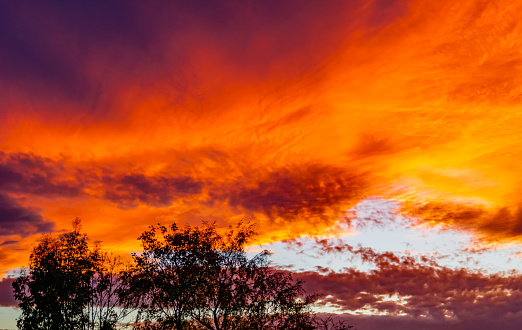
{"points": [[69, 285], [185, 278], [198, 278], [54, 293]]}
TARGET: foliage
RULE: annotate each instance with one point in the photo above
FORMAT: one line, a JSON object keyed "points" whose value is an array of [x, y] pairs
{"points": [[329, 323], [275, 301], [68, 286], [185, 278], [105, 309], [57, 288], [197, 278], [166, 277]]}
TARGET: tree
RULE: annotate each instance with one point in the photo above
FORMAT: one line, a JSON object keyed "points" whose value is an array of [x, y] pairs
{"points": [[329, 323], [275, 301], [185, 278], [105, 310], [165, 278], [69, 285], [54, 293], [197, 278]]}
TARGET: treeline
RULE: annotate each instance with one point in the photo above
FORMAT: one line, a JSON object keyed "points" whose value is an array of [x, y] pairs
{"points": [[185, 278]]}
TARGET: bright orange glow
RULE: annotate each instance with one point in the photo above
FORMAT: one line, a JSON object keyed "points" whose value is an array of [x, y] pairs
{"points": [[423, 108]]}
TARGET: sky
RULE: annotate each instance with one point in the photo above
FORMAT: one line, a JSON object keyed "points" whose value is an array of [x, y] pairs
{"points": [[374, 143]]}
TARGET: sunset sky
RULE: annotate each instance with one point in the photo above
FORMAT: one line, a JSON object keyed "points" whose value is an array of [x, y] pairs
{"points": [[376, 144]]}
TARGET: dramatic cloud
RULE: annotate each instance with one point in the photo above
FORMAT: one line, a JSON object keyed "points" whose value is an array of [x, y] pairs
{"points": [[28, 173], [308, 190], [17, 220], [130, 41], [156, 191], [300, 190], [415, 287], [278, 110], [489, 224], [6, 293]]}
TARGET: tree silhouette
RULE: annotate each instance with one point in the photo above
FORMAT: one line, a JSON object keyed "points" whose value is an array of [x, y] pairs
{"points": [[275, 301], [197, 278], [329, 323], [164, 281], [54, 293], [105, 309], [69, 285], [185, 278]]}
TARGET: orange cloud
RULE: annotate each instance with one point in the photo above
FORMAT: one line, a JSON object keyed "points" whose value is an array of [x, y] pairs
{"points": [[287, 113]]}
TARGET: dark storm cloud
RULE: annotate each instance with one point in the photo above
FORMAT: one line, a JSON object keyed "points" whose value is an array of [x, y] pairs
{"points": [[27, 173], [317, 191], [129, 189], [307, 190], [18, 220], [314, 190], [6, 293], [491, 224]]}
